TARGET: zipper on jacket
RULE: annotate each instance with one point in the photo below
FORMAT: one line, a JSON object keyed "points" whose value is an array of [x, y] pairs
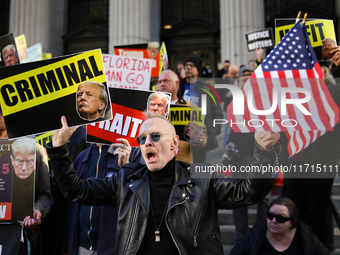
{"points": [[166, 223], [130, 233], [88, 232], [90, 219], [197, 229]]}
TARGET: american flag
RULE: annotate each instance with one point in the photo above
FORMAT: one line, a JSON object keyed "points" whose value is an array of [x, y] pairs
{"points": [[292, 64]]}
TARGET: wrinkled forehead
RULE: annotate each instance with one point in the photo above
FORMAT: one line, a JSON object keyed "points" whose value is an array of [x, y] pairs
{"points": [[158, 100], [165, 75], [88, 87], [9, 51]]}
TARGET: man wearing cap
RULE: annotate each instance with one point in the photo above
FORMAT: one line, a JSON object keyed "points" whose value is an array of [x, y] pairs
{"points": [[193, 68]]}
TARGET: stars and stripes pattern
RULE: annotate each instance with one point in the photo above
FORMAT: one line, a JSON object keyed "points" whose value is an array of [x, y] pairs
{"points": [[291, 65]]}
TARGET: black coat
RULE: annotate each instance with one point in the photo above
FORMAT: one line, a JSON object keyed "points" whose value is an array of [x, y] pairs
{"points": [[253, 239], [195, 198]]}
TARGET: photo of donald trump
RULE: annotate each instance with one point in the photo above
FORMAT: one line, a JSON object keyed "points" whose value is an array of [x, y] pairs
{"points": [[91, 100]]}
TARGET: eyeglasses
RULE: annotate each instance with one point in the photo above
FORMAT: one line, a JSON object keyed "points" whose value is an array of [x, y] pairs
{"points": [[279, 218], [154, 136], [190, 65]]}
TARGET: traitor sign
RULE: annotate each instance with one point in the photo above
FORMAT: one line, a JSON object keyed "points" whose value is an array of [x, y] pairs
{"points": [[35, 95], [260, 39]]}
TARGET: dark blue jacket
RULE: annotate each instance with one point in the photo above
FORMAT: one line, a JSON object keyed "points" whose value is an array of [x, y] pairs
{"points": [[108, 215]]}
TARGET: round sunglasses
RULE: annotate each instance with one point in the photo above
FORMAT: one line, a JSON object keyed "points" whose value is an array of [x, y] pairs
{"points": [[154, 136]]}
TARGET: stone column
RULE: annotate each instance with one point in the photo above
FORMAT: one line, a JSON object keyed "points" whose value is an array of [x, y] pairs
{"points": [[40, 21], [129, 22], [237, 19]]}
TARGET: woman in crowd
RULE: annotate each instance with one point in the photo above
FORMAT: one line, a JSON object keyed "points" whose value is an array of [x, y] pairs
{"points": [[282, 233]]}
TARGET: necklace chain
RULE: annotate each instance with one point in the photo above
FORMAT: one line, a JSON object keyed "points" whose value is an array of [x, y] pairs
{"points": [[157, 232]]}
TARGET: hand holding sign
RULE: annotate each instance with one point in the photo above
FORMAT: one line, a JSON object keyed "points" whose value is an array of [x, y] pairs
{"points": [[61, 136], [33, 222]]}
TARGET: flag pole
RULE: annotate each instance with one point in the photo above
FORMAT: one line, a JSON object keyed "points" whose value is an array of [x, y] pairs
{"points": [[305, 18], [298, 17]]}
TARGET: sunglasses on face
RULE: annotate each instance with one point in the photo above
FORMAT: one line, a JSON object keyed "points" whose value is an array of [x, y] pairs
{"points": [[279, 218], [154, 136]]}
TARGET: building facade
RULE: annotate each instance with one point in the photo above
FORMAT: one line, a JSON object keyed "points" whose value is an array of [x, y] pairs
{"points": [[214, 30]]}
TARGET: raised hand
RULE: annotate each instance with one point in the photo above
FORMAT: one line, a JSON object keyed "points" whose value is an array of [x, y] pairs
{"points": [[61, 136]]}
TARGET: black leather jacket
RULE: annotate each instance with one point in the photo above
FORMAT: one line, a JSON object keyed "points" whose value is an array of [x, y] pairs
{"points": [[191, 217]]}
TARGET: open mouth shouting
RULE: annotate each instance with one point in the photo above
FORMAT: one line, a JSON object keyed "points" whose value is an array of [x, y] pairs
{"points": [[151, 156]]}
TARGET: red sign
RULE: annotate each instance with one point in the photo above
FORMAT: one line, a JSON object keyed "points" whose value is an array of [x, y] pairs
{"points": [[125, 124], [5, 211]]}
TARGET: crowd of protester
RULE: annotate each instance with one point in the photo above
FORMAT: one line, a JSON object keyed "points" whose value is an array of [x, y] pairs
{"points": [[295, 223]]}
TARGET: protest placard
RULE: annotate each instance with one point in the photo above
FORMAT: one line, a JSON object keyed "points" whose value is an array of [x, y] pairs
{"points": [[22, 48], [34, 52], [260, 39], [140, 51], [188, 121], [317, 29], [17, 175], [35, 95], [45, 138], [46, 55], [127, 72], [9, 51], [127, 110], [163, 59], [10, 238]]}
